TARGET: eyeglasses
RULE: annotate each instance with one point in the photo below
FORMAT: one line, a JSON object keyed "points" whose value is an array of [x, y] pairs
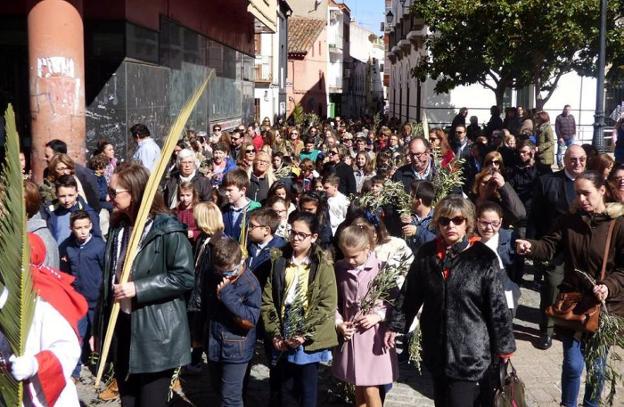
{"points": [[252, 226], [235, 138], [217, 129], [486, 224], [457, 220], [294, 133], [301, 235], [418, 155], [114, 192]]}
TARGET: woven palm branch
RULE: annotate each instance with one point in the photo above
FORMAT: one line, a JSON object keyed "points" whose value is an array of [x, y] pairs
{"points": [[175, 132], [16, 315]]}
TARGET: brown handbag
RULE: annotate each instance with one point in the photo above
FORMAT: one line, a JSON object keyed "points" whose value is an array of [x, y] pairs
{"points": [[577, 311]]}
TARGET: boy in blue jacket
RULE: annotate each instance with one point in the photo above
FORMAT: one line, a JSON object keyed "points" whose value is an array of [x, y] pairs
{"points": [[232, 309], [262, 226], [67, 201], [236, 212], [82, 255]]}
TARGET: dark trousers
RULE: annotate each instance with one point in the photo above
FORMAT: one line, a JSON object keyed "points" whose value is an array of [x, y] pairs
{"points": [[142, 389], [227, 380], [454, 393], [305, 383], [553, 276]]}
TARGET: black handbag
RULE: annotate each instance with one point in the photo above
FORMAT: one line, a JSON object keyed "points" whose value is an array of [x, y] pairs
{"points": [[510, 389]]}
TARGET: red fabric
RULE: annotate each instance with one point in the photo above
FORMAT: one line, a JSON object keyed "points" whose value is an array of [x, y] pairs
{"points": [[186, 216], [258, 142], [441, 252], [55, 287], [50, 376], [447, 158]]}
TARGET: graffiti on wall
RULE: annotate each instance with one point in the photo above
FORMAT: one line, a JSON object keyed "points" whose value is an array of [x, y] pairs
{"points": [[56, 86]]}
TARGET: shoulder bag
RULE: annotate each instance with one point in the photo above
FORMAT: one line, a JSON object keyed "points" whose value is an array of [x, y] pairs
{"points": [[576, 310]]}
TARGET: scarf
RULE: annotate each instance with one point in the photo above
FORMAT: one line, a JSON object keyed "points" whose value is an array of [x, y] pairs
{"points": [[445, 255]]}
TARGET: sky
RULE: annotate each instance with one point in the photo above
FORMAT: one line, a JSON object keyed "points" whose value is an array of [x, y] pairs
{"points": [[368, 13]]}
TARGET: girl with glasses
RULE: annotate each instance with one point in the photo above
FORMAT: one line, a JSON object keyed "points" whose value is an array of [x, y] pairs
{"points": [[464, 318], [301, 275]]}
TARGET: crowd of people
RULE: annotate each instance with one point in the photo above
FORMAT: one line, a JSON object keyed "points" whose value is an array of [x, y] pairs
{"points": [[258, 236]]}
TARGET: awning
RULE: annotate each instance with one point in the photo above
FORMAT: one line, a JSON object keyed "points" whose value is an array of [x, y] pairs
{"points": [[265, 13]]}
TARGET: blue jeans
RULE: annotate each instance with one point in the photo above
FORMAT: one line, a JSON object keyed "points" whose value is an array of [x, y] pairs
{"points": [[227, 380], [573, 365], [561, 149], [84, 329]]}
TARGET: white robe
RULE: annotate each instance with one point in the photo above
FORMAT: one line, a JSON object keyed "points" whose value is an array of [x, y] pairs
{"points": [[50, 331]]}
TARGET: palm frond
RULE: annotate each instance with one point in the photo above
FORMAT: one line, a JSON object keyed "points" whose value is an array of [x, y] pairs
{"points": [[148, 198], [16, 315]]}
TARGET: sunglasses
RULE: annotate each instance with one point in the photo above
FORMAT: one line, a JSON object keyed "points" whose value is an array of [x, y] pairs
{"points": [[457, 220], [332, 152], [250, 151], [114, 192], [497, 162]]}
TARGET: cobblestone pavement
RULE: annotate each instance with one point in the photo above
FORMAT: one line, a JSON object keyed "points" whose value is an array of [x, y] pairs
{"points": [[540, 370]]}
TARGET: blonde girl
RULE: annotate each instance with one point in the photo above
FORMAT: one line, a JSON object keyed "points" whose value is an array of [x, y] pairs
{"points": [[361, 360]]}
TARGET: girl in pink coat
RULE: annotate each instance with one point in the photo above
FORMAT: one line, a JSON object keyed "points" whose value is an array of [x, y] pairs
{"points": [[362, 359]]}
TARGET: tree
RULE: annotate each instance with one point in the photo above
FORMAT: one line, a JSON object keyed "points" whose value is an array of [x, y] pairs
{"points": [[503, 44]]}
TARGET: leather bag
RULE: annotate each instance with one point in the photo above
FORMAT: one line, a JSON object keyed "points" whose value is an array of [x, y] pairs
{"points": [[577, 311], [510, 389]]}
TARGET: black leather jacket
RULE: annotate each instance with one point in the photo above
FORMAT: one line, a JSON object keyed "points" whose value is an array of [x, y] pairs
{"points": [[162, 273], [464, 320]]}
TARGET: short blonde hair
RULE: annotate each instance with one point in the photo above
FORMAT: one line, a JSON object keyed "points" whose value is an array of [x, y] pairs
{"points": [[208, 218], [451, 205]]}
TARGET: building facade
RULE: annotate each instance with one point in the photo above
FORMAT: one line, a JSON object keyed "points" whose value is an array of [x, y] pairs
{"points": [[365, 75], [307, 65], [271, 68], [83, 71]]}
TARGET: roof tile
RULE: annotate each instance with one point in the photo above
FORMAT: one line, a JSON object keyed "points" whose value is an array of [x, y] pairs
{"points": [[302, 32]]}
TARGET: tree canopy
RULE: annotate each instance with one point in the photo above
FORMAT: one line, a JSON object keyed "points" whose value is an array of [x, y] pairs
{"points": [[503, 44]]}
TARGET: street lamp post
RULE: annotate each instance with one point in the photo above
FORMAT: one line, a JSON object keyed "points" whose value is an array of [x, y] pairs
{"points": [[599, 123]]}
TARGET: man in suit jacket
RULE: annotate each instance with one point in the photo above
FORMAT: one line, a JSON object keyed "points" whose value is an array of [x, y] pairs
{"points": [[553, 196]]}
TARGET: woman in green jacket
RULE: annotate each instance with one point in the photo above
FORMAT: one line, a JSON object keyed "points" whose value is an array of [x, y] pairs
{"points": [[545, 139], [299, 311], [152, 334]]}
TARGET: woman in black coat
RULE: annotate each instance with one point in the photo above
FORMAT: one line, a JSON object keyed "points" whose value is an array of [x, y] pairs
{"points": [[464, 316]]}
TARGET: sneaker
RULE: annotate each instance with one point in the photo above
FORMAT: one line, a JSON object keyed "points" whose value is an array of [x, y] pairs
{"points": [[111, 392]]}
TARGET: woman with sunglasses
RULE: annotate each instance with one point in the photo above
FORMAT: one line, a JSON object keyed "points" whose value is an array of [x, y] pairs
{"points": [[152, 331], [439, 142], [465, 320], [246, 156], [300, 272]]}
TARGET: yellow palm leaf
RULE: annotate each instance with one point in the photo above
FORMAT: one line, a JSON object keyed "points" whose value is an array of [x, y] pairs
{"points": [[146, 204]]}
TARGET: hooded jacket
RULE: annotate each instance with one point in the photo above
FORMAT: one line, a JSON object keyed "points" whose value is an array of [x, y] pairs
{"points": [[322, 299], [39, 226], [581, 237]]}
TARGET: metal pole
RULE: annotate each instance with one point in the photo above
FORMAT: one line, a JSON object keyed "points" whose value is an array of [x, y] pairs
{"points": [[599, 123]]}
